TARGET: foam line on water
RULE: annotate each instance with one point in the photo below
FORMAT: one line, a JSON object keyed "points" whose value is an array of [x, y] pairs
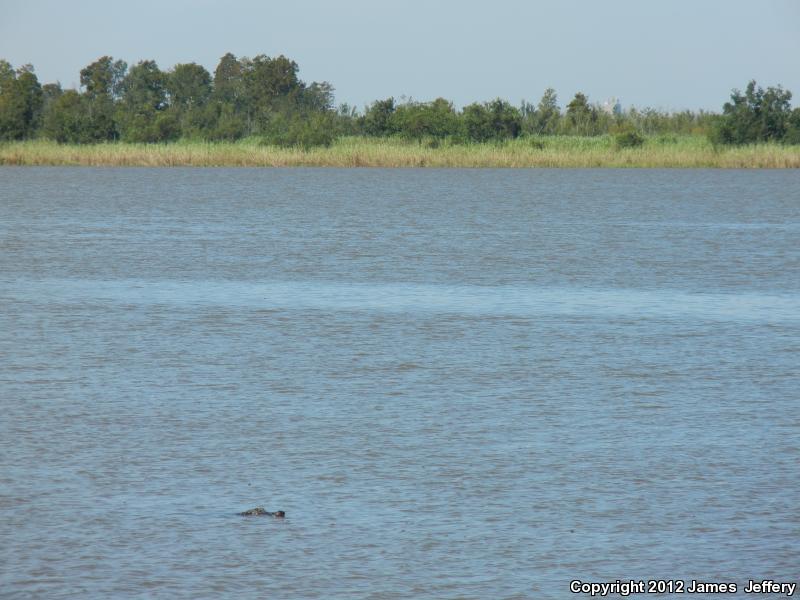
{"points": [[471, 300]]}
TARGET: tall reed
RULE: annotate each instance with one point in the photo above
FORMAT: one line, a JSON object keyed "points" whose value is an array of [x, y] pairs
{"points": [[546, 151]]}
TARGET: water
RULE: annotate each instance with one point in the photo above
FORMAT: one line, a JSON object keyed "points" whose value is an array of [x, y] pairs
{"points": [[457, 384]]}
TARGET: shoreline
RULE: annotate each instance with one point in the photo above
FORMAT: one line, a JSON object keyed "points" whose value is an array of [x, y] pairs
{"points": [[539, 152]]}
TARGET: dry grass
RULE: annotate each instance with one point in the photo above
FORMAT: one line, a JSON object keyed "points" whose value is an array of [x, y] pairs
{"points": [[565, 152]]}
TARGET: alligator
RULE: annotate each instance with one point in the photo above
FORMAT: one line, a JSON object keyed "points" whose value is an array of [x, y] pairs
{"points": [[259, 511]]}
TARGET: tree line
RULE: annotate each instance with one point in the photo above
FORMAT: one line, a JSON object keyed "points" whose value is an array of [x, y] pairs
{"points": [[264, 97]]}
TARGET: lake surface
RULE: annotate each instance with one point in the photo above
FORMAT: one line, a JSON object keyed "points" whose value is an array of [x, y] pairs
{"points": [[457, 384]]}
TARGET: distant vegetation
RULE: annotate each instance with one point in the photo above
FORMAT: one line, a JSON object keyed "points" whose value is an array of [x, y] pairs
{"points": [[667, 151], [262, 100]]}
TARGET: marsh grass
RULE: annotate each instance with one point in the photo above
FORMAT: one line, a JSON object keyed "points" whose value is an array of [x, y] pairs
{"points": [[545, 151]]}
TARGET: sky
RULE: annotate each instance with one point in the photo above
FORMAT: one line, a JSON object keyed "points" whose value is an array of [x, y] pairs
{"points": [[666, 54]]}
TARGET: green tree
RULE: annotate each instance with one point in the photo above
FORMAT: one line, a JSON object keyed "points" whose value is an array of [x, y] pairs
{"points": [[188, 86], [296, 130], [102, 82], [67, 119], [21, 102], [269, 78], [7, 76], [218, 121], [257, 89], [141, 112], [378, 118], [189, 90], [347, 121], [755, 116], [793, 128], [103, 78], [581, 117], [419, 120], [495, 120], [477, 123], [50, 93], [144, 88], [271, 86], [547, 113], [229, 81], [317, 97]]}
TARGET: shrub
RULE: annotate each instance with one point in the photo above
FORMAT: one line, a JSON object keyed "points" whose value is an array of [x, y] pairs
{"points": [[793, 128], [492, 121], [628, 139], [758, 115], [421, 120], [303, 131], [667, 139]]}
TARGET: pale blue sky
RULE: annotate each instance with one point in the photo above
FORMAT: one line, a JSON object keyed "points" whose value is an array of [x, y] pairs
{"points": [[669, 54]]}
